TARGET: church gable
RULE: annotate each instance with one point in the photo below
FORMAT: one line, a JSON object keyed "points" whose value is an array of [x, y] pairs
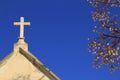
{"points": [[21, 64], [18, 66]]}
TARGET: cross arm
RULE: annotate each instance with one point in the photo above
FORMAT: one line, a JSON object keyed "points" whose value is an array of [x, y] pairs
{"points": [[27, 23], [16, 23]]}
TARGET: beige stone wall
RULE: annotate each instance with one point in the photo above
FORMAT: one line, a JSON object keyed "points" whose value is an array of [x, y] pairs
{"points": [[17, 67]]}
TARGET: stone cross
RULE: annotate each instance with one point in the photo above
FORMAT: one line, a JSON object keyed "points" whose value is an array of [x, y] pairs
{"points": [[21, 24]]}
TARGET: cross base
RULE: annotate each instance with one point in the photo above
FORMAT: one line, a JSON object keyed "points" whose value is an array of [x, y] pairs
{"points": [[21, 38], [20, 44]]}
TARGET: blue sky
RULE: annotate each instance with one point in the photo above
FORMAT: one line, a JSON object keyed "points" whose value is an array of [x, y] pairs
{"points": [[57, 36]]}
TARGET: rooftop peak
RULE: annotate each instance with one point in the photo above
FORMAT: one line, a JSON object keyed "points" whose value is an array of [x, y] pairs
{"points": [[21, 43]]}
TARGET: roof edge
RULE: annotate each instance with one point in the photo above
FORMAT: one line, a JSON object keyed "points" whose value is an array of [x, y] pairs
{"points": [[38, 64]]}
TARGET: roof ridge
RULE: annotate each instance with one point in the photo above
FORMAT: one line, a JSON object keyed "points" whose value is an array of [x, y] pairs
{"points": [[38, 64]]}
